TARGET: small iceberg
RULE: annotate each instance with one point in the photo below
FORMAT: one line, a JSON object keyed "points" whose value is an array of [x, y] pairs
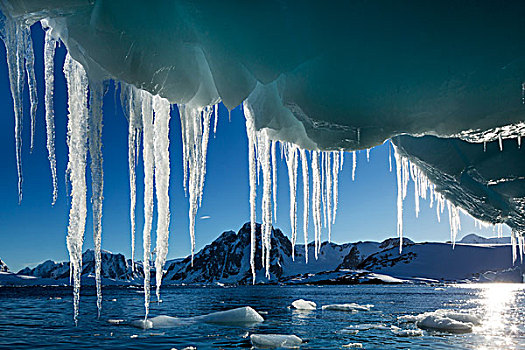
{"points": [[353, 346], [117, 321], [271, 341], [444, 321], [302, 304], [352, 307], [366, 327], [241, 315], [235, 316]]}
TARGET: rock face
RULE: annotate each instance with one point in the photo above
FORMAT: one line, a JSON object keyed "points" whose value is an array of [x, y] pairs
{"points": [[114, 266], [3, 267]]}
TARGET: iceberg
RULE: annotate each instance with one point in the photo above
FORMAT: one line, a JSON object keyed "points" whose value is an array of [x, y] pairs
{"points": [[239, 316], [302, 304], [275, 341], [444, 321]]}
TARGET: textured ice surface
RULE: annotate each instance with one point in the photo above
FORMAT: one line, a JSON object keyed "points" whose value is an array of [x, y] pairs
{"points": [[406, 332], [302, 304], [275, 341]]}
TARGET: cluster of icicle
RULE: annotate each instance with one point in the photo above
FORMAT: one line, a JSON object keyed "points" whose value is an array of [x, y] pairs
{"points": [[324, 168]]}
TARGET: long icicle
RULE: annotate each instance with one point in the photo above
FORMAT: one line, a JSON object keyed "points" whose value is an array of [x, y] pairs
{"points": [[161, 107], [77, 143], [96, 95], [49, 77], [316, 200], [338, 159], [252, 161], [354, 164], [31, 82], [291, 163], [399, 198], [129, 104], [264, 149], [14, 36], [149, 166], [274, 177], [306, 201], [328, 182]]}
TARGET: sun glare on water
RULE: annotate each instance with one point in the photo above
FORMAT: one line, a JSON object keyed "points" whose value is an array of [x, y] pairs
{"points": [[499, 305]]}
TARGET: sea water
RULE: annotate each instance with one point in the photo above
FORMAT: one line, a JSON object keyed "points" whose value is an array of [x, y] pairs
{"points": [[41, 317]]}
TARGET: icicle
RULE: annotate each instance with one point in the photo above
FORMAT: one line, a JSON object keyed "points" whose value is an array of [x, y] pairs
{"points": [[216, 119], [484, 146], [316, 200], [274, 181], [31, 82], [195, 124], [323, 189], [400, 197], [390, 155], [291, 163], [500, 142], [14, 36], [49, 78], [149, 164], [368, 155], [96, 96], [77, 144], [341, 159], [252, 139], [328, 182], [264, 151], [519, 141], [130, 106], [161, 143], [335, 174], [454, 220], [306, 194], [354, 164]]}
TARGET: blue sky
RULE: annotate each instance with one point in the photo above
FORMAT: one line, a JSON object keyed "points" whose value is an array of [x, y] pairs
{"points": [[35, 231]]}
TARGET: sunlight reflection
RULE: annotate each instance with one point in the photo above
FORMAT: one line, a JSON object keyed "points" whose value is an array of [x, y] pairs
{"points": [[498, 304]]}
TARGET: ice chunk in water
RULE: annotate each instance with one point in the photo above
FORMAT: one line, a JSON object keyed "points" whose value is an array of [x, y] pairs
{"points": [[353, 346], [302, 304], [239, 315], [353, 307], [444, 324], [275, 341]]}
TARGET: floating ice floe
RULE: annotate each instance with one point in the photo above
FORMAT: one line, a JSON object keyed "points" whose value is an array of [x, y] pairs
{"points": [[302, 304], [271, 341], [241, 315], [406, 332], [444, 321], [117, 321], [352, 307]]}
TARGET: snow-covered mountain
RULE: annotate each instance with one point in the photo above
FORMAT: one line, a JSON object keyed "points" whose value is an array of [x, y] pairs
{"points": [[473, 238], [114, 267], [227, 260], [440, 261]]}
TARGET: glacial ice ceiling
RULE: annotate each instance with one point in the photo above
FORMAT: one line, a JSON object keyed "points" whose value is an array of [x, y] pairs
{"points": [[319, 79]]}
